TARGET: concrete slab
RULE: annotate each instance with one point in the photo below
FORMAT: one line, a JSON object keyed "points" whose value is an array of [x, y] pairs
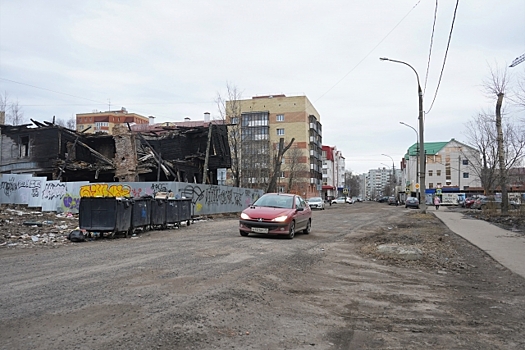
{"points": [[506, 247]]}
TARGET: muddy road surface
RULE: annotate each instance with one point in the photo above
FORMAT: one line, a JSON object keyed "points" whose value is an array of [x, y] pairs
{"points": [[206, 287]]}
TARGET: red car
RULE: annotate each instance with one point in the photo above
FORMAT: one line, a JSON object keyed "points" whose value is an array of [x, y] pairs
{"points": [[469, 201], [276, 214]]}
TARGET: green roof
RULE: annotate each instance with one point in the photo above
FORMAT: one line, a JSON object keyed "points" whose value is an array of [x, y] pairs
{"points": [[430, 148]]}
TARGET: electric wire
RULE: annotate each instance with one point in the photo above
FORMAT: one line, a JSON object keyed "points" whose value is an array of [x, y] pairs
{"points": [[445, 57], [56, 92], [369, 53], [431, 45]]}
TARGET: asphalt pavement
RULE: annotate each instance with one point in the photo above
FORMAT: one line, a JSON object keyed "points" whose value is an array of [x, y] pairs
{"points": [[506, 247]]}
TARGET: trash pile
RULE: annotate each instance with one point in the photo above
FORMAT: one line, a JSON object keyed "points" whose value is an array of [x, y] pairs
{"points": [[22, 227]]}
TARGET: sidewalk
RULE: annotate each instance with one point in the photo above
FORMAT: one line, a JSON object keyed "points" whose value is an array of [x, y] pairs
{"points": [[504, 246]]}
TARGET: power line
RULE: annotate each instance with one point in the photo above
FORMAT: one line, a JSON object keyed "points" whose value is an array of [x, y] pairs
{"points": [[445, 57], [56, 92], [369, 53], [431, 44]]}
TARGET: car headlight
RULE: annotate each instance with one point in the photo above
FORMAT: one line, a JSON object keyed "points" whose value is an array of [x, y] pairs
{"points": [[281, 218], [245, 216]]}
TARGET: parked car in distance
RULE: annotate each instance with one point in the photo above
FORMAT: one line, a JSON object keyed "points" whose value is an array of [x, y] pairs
{"points": [[342, 200], [492, 202], [412, 202], [315, 203], [276, 214], [468, 202], [392, 200], [382, 199], [477, 202]]}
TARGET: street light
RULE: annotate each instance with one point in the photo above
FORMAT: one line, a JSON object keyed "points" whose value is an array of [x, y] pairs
{"points": [[417, 154], [422, 202], [394, 180]]}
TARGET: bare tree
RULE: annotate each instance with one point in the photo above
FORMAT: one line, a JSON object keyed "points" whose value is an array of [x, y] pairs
{"points": [[12, 111], [297, 169], [230, 112], [277, 161], [353, 182], [16, 116], [71, 123], [497, 85]]}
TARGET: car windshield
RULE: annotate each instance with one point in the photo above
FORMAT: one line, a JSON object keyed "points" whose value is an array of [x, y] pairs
{"points": [[275, 201], [315, 199]]}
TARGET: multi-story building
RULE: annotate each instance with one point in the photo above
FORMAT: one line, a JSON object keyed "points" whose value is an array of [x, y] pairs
{"points": [[449, 167], [103, 122], [264, 120], [376, 180], [333, 172]]}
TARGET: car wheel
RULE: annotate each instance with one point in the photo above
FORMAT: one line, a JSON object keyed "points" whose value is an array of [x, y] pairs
{"points": [[291, 232], [308, 227], [243, 233]]}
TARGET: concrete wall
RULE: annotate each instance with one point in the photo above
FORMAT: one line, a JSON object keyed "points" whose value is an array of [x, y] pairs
{"points": [[65, 196]]}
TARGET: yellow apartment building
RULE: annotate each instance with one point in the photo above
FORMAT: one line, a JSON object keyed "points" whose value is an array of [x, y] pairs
{"points": [[263, 121]]}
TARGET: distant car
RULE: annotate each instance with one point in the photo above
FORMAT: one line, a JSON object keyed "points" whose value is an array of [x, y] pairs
{"points": [[276, 214], [382, 199], [315, 203], [495, 203], [392, 201], [468, 202], [477, 202], [342, 200], [412, 202]]}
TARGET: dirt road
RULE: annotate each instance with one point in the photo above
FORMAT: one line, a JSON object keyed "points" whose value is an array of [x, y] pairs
{"points": [[206, 287]]}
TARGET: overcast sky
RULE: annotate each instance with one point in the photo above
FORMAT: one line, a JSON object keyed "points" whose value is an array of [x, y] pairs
{"points": [[170, 59]]}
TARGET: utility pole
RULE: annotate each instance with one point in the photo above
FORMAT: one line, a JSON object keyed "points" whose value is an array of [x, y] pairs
{"points": [[422, 153]]}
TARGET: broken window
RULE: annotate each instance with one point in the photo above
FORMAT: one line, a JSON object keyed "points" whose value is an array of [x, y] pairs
{"points": [[24, 146]]}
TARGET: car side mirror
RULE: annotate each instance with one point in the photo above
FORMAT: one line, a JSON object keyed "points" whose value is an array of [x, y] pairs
{"points": [[299, 209]]}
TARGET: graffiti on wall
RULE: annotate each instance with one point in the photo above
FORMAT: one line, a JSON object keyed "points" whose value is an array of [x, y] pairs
{"points": [[53, 190], [9, 187], [219, 196], [105, 190], [70, 203], [53, 195]]}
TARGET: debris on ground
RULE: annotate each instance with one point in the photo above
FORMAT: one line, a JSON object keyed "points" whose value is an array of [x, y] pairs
{"points": [[23, 227]]}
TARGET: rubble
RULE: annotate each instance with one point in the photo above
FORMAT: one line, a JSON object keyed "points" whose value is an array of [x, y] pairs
{"points": [[22, 227]]}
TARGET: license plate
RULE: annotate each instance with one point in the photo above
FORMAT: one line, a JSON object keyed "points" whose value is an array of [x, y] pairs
{"points": [[259, 230]]}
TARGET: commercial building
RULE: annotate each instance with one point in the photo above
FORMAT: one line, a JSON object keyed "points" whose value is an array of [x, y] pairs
{"points": [[450, 167], [264, 120], [103, 122]]}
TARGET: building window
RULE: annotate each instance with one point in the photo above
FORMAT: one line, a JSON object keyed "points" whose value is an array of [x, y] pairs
{"points": [[465, 162], [235, 120], [280, 117], [465, 175], [280, 132], [439, 185], [24, 146], [438, 172], [281, 189], [430, 173], [282, 175], [430, 185]]}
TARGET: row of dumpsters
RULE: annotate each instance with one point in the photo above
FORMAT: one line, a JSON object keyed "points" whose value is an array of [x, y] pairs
{"points": [[110, 216]]}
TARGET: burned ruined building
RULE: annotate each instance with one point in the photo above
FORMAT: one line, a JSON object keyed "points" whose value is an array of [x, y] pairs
{"points": [[159, 154]]}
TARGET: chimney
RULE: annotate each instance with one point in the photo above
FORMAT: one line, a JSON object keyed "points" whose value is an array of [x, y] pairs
{"points": [[206, 117], [151, 120]]}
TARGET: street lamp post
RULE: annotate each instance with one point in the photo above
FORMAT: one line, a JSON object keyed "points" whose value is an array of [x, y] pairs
{"points": [[422, 155], [394, 180], [417, 154]]}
